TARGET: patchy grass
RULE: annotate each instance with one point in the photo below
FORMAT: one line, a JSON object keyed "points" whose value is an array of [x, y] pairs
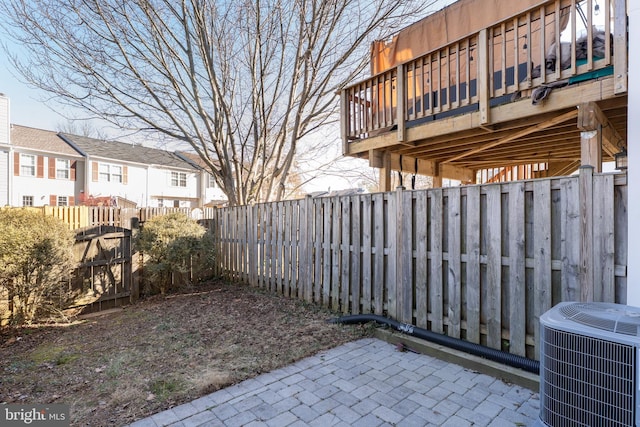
{"points": [[122, 366]]}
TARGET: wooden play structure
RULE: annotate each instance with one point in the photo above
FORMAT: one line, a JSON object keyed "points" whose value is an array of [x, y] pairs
{"points": [[495, 90]]}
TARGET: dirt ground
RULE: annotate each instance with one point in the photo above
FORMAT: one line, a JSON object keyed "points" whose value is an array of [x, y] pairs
{"points": [[118, 367]]}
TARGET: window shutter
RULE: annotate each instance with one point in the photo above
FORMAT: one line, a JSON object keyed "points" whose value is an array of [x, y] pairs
{"points": [[16, 164], [73, 170], [40, 172], [53, 200], [52, 168], [125, 173], [94, 171], [72, 201]]}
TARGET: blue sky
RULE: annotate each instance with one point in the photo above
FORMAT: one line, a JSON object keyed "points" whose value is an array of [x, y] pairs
{"points": [[26, 107]]}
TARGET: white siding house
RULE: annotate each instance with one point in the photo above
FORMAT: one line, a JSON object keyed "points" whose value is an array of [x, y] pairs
{"points": [[42, 169], [210, 193], [143, 176]]}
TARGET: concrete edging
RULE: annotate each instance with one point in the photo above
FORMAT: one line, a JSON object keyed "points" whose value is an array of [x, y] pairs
{"points": [[485, 366]]}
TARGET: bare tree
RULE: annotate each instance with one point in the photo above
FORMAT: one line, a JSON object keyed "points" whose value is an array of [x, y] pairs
{"points": [[242, 82], [82, 128]]}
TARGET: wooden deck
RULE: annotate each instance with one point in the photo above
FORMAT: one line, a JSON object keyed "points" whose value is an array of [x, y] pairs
{"points": [[468, 107]]}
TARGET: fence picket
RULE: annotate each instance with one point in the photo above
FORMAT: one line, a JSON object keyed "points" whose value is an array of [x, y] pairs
{"points": [[335, 255], [378, 234], [494, 267], [327, 252], [435, 284], [356, 260], [473, 288], [454, 282], [345, 254], [422, 261], [366, 254], [517, 303]]}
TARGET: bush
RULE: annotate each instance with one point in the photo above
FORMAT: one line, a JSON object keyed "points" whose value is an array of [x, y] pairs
{"points": [[35, 257], [173, 245]]}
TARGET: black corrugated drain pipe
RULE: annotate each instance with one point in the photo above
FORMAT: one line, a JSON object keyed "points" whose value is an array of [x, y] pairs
{"points": [[513, 360]]}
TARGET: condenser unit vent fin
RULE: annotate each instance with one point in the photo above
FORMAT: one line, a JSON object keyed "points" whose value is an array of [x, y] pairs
{"points": [[586, 381], [607, 317]]}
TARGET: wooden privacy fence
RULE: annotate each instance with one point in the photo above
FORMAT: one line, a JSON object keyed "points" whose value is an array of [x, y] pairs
{"points": [[480, 263], [78, 217]]}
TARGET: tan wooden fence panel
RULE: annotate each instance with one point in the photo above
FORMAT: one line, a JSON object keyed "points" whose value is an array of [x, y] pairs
{"points": [[478, 262]]}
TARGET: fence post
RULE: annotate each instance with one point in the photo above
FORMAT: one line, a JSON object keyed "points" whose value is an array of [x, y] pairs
{"points": [[306, 243], [252, 245], [585, 180], [404, 256], [134, 282]]}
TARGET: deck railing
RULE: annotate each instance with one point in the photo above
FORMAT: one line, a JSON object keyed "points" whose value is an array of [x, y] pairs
{"points": [[496, 63]]}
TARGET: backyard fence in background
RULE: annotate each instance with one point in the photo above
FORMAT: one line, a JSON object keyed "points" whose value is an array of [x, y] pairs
{"points": [[480, 263]]}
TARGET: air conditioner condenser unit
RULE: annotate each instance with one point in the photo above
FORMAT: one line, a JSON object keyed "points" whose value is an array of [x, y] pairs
{"points": [[589, 365]]}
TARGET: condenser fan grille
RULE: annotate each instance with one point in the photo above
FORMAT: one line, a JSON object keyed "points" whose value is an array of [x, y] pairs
{"points": [[586, 381]]}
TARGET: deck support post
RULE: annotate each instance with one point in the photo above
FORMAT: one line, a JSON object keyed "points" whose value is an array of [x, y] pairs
{"points": [[591, 149], [385, 172], [590, 122], [437, 179]]}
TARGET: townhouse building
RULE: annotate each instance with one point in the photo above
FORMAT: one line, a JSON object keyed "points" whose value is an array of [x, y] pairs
{"points": [[40, 167]]}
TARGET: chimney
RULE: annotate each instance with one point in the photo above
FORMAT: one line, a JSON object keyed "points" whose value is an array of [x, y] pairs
{"points": [[4, 119]]}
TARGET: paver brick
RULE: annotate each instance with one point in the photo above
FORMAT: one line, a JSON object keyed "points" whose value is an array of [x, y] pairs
{"points": [[225, 411], [446, 408], [387, 414], [166, 418], [406, 407], [489, 409], [456, 422], [200, 418], [368, 420], [413, 420], [241, 419], [282, 420], [475, 418], [325, 405], [308, 398], [345, 414], [306, 413]]}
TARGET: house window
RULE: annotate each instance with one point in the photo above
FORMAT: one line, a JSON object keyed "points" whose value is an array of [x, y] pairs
{"points": [[109, 173], [63, 168], [27, 165], [63, 201], [27, 200], [160, 203], [211, 183], [178, 179], [176, 203]]}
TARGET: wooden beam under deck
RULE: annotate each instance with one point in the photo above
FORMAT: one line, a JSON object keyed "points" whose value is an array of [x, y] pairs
{"points": [[519, 133], [559, 99]]}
